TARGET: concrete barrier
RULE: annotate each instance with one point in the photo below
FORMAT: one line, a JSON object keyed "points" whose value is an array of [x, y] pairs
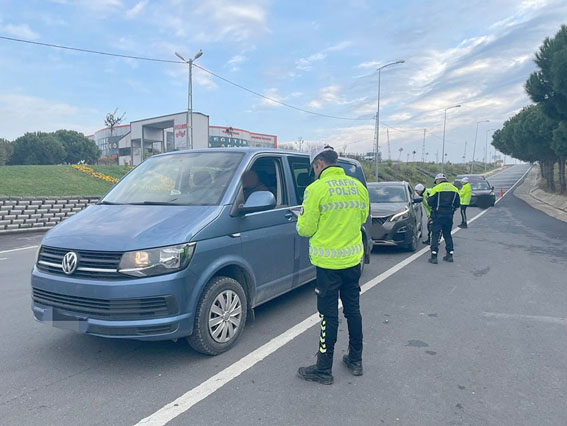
{"points": [[18, 214]]}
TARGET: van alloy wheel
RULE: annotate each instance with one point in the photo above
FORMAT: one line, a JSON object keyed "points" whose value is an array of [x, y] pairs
{"points": [[225, 316], [220, 316]]}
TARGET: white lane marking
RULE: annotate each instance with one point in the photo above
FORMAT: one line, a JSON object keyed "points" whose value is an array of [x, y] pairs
{"points": [[538, 318], [214, 383], [18, 249]]}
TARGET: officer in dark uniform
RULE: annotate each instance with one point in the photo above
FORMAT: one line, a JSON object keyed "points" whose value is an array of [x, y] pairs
{"points": [[443, 200]]}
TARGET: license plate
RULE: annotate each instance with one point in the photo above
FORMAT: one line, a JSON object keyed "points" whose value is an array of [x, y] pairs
{"points": [[69, 322]]}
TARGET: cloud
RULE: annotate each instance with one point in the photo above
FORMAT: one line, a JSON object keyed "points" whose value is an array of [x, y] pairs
{"points": [[100, 6], [229, 21], [329, 95], [235, 62], [20, 31], [25, 113], [305, 64], [137, 9], [178, 75], [274, 94]]}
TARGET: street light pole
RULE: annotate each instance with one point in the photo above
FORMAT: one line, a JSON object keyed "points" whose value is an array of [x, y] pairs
{"points": [[444, 126], [474, 146], [377, 125], [189, 120], [486, 149]]}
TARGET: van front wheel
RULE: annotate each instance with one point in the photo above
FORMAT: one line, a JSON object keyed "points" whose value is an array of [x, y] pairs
{"points": [[220, 316]]}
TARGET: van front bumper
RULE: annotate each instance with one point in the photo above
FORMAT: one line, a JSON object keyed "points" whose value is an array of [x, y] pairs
{"points": [[153, 308]]}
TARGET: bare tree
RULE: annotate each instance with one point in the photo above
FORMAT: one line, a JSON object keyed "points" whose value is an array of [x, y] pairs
{"points": [[112, 120]]}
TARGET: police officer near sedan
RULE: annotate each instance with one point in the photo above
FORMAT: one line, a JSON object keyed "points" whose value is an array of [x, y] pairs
{"points": [[334, 208], [465, 193], [443, 200], [423, 192]]}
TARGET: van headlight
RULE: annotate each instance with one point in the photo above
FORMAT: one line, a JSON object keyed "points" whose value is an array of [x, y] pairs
{"points": [[404, 214], [156, 261]]}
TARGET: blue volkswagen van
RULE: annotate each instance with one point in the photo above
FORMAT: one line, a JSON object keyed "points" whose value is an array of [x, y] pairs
{"points": [[179, 249]]}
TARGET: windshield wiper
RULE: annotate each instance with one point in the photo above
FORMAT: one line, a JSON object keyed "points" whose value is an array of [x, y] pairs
{"points": [[109, 202]]}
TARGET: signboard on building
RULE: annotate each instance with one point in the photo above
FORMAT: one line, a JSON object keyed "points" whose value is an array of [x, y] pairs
{"points": [[180, 136], [220, 136]]}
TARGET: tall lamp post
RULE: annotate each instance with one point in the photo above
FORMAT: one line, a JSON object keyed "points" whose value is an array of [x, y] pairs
{"points": [[377, 127], [444, 126], [486, 149], [474, 146], [190, 95]]}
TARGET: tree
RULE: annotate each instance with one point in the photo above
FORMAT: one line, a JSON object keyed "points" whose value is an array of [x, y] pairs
{"points": [[559, 145], [528, 136], [112, 120], [38, 148], [5, 151], [78, 147], [548, 87]]}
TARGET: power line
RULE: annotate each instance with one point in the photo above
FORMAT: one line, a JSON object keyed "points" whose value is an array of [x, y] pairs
{"points": [[76, 49], [141, 58]]}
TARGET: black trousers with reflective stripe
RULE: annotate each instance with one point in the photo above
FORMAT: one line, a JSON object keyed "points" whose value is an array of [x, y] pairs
{"points": [[464, 214], [442, 224], [332, 284]]}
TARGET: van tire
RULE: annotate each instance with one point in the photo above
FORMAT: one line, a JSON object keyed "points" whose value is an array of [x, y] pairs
{"points": [[202, 340]]}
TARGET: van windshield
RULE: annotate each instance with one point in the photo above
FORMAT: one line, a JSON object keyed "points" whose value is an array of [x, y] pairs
{"points": [[192, 179]]}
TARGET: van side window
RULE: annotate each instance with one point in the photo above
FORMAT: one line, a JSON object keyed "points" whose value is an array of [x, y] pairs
{"points": [[302, 177], [266, 174]]}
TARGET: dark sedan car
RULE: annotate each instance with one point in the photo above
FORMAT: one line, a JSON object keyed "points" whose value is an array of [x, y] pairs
{"points": [[482, 192], [396, 215]]}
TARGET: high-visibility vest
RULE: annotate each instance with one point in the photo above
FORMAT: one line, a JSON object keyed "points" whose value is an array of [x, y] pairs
{"points": [[465, 194], [334, 208]]}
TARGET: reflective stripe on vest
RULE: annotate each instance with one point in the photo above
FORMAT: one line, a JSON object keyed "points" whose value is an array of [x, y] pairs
{"points": [[331, 253], [342, 205]]}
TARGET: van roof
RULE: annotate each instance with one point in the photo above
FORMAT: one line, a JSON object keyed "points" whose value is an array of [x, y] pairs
{"points": [[252, 150]]}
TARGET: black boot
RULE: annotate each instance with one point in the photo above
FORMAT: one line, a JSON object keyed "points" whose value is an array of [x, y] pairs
{"points": [[321, 372], [433, 258], [353, 361], [427, 242], [448, 257]]}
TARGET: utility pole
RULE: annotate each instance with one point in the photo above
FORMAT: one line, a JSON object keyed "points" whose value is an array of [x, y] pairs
{"points": [[377, 132], [190, 96], [300, 143], [465, 154], [423, 147], [437, 156], [389, 148], [474, 146]]}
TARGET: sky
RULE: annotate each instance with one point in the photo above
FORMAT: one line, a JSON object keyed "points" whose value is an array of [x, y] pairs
{"points": [[320, 56]]}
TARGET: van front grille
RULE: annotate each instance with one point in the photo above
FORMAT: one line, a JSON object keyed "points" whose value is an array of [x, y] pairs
{"points": [[112, 309]]}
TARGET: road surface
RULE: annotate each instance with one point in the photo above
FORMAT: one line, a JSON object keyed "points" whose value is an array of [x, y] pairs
{"points": [[477, 342]]}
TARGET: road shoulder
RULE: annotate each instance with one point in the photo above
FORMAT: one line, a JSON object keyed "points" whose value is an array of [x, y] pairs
{"points": [[554, 205]]}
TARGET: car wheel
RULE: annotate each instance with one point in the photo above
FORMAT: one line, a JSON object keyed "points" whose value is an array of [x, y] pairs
{"points": [[413, 245], [220, 316]]}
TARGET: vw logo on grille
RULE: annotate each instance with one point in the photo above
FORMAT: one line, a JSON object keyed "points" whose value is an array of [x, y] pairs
{"points": [[69, 263]]}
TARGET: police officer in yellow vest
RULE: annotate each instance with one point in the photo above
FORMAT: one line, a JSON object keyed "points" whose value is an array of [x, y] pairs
{"points": [[334, 208], [443, 200], [465, 193], [423, 192]]}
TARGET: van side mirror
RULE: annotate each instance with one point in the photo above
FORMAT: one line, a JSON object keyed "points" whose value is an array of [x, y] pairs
{"points": [[492, 189], [258, 202], [417, 200]]}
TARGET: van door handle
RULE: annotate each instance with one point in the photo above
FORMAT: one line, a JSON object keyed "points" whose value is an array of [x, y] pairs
{"points": [[289, 216]]}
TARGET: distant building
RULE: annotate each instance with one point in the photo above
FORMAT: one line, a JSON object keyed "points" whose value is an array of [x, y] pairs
{"points": [[131, 143]]}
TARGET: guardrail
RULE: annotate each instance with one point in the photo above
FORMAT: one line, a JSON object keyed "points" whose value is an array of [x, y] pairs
{"points": [[39, 213]]}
